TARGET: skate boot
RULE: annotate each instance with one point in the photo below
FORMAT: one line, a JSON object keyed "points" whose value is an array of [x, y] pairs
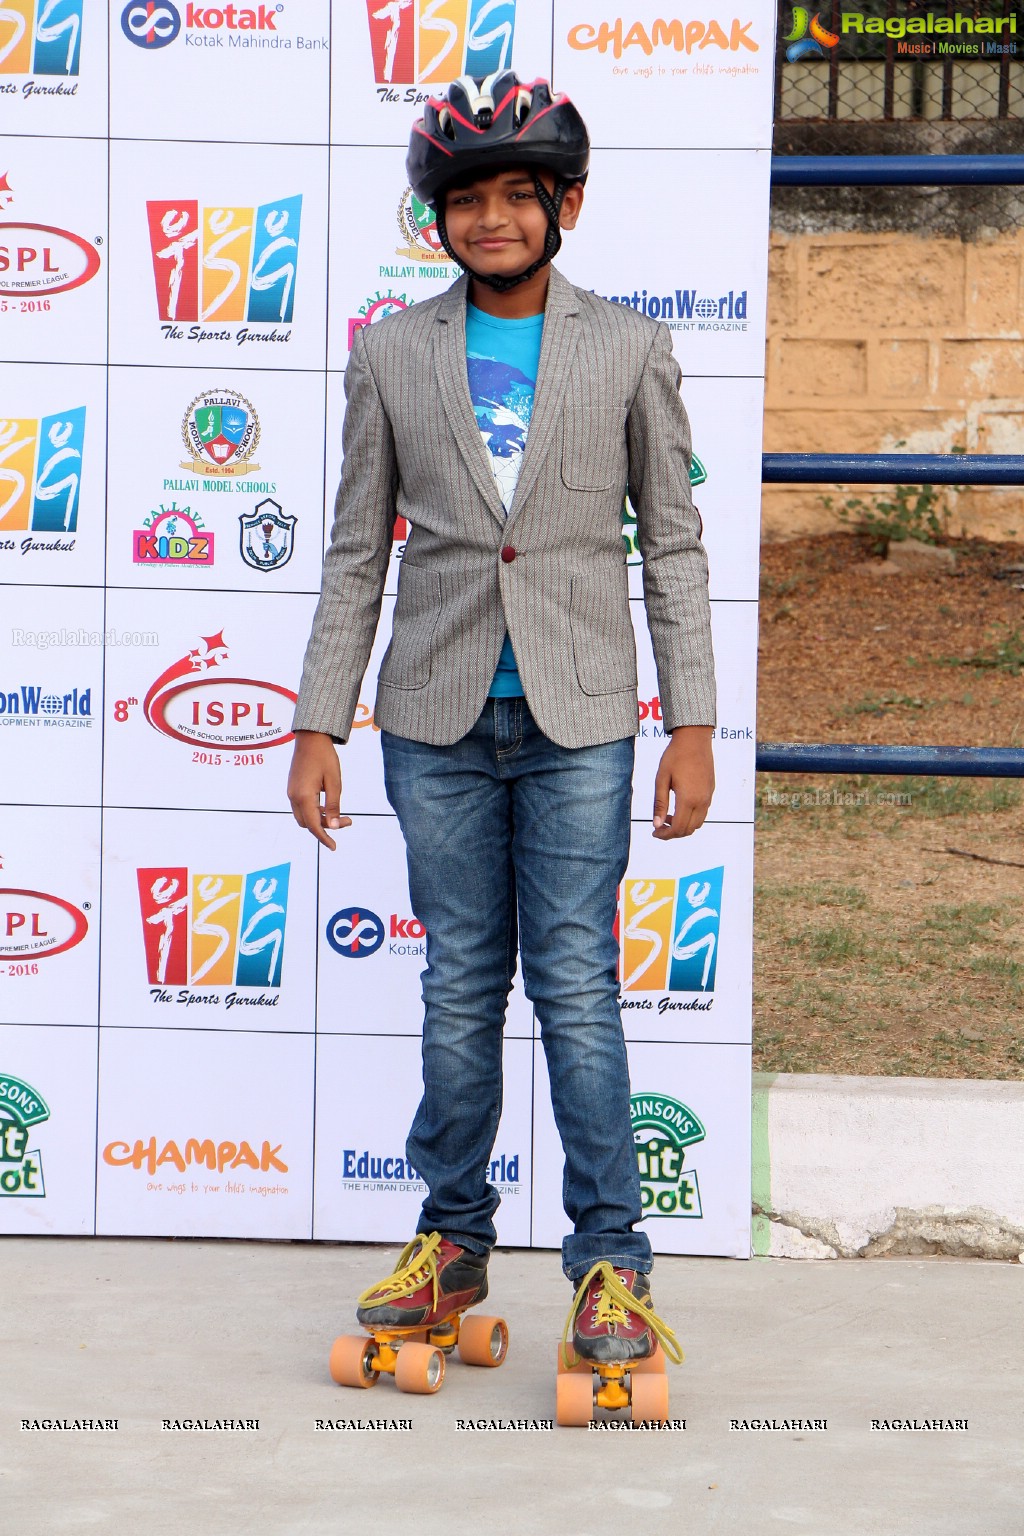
{"points": [[415, 1319], [616, 1360]]}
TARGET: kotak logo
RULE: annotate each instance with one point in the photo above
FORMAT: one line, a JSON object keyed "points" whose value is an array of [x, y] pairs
{"points": [[34, 926], [355, 932], [214, 930], [156, 23], [40, 471], [670, 932], [225, 263], [189, 705], [426, 42], [40, 37]]}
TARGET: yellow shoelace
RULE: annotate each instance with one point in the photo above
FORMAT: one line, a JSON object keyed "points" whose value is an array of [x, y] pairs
{"points": [[416, 1263], [614, 1303]]}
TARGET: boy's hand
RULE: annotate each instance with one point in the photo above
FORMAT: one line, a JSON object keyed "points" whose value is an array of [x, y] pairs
{"points": [[315, 768], [687, 768]]}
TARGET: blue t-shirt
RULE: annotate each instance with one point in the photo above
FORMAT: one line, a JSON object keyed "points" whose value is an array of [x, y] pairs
{"points": [[502, 357]]}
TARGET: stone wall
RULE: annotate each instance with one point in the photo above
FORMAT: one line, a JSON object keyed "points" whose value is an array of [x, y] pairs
{"points": [[891, 341]]}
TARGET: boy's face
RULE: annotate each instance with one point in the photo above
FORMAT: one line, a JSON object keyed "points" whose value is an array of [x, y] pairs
{"points": [[497, 226]]}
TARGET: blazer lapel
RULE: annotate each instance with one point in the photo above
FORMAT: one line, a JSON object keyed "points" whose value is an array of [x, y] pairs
{"points": [[453, 383], [558, 347]]}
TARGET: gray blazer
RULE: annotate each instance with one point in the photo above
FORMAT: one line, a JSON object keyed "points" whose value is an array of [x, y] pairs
{"points": [[607, 414]]}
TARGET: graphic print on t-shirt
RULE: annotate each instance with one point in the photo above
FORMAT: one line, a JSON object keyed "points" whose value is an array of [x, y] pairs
{"points": [[502, 358]]}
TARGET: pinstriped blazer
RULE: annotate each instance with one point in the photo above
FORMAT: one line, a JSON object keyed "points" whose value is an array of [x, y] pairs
{"points": [[606, 414]]}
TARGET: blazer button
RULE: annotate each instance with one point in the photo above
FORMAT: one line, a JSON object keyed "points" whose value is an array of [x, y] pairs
{"points": [[508, 554]]}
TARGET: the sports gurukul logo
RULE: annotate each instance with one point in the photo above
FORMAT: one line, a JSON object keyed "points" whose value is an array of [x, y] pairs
{"points": [[432, 42], [663, 1128], [213, 930], [38, 261], [214, 266], [189, 705], [356, 932], [40, 37], [36, 926], [41, 480], [669, 938], [21, 1167]]}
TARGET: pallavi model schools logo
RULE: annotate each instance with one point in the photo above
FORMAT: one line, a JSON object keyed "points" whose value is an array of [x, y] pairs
{"points": [[212, 930], [214, 266], [420, 244], [221, 432], [669, 938], [432, 42], [40, 481], [21, 1167], [36, 926], [236, 718], [39, 261], [155, 24], [663, 1128], [40, 37], [356, 932]]}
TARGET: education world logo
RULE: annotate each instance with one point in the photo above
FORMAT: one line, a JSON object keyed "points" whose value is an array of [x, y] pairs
{"points": [[32, 706], [219, 265], [669, 938], [22, 1108], [35, 925], [38, 261], [432, 42], [688, 309], [40, 37], [236, 718], [41, 480], [204, 929], [663, 1129]]}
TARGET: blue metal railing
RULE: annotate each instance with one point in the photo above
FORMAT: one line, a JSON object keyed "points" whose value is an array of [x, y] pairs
{"points": [[897, 170], [894, 468]]}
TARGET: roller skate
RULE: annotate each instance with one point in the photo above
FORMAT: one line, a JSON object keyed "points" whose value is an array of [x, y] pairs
{"points": [[414, 1319], [616, 1360]]}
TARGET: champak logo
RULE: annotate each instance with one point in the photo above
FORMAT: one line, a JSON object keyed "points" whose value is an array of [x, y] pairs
{"points": [[663, 1128], [432, 42], [41, 37], [21, 1167], [670, 934], [213, 930], [188, 705], [221, 264], [41, 475], [673, 36]]}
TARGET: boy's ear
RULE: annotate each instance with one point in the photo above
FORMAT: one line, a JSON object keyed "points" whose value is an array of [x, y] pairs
{"points": [[572, 202]]}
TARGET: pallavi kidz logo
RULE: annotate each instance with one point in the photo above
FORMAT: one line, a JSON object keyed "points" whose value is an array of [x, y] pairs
{"points": [[663, 1128], [214, 266], [40, 260], [173, 536], [240, 713], [21, 1110], [377, 308], [40, 37], [669, 938], [432, 42], [40, 479], [205, 930]]}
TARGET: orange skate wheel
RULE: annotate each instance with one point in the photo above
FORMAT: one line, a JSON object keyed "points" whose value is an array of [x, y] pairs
{"points": [[350, 1361], [575, 1363], [654, 1365], [419, 1368], [483, 1340], [648, 1398], [574, 1398]]}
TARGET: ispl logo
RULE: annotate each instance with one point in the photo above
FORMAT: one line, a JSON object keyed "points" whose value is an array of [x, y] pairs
{"points": [[698, 475], [670, 932], [221, 432], [21, 1109], [266, 537], [355, 932], [188, 704], [29, 705], [224, 263], [41, 471], [214, 930], [34, 926], [431, 42], [172, 536], [37, 260], [663, 1128], [377, 308], [40, 37]]}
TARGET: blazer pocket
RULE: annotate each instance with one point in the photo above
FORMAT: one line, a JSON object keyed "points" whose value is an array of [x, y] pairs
{"points": [[406, 662], [603, 643], [593, 447]]}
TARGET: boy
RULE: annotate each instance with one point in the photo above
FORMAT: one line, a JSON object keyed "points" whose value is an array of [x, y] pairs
{"points": [[505, 419]]}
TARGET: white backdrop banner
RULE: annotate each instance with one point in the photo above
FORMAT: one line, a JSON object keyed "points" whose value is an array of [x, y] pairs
{"points": [[208, 1025]]}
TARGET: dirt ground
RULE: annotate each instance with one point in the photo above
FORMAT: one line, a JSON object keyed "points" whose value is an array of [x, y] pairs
{"points": [[889, 917]]}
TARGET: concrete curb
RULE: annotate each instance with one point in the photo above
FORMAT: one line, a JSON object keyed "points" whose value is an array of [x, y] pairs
{"points": [[865, 1167]]}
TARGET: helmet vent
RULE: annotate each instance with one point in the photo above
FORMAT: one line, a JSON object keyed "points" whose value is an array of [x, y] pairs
{"points": [[524, 101]]}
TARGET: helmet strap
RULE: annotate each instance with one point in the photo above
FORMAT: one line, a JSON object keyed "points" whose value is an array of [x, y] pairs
{"points": [[552, 206]]}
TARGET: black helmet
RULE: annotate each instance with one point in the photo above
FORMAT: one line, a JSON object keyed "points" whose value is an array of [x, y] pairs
{"points": [[487, 124]]}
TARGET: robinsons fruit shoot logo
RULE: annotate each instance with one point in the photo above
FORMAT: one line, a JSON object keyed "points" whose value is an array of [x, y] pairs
{"points": [[662, 1130], [40, 37], [669, 938], [21, 1168], [931, 33], [431, 42]]}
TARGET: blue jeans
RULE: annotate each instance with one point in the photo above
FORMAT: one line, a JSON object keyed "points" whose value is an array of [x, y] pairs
{"points": [[509, 835]]}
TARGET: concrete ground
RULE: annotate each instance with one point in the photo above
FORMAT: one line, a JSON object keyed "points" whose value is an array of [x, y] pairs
{"points": [[143, 1330]]}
